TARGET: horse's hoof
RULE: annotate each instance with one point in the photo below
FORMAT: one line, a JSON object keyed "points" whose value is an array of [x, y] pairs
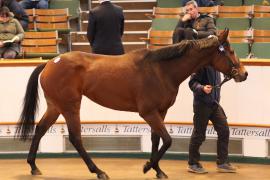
{"points": [[103, 176], [36, 172], [161, 175], [147, 167]]}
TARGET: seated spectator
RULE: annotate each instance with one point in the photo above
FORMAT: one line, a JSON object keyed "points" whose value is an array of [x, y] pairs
{"points": [[17, 10], [37, 4], [202, 3], [11, 34]]}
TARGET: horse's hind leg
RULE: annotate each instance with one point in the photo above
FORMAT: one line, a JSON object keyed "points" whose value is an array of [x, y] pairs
{"points": [[74, 128], [44, 124]]}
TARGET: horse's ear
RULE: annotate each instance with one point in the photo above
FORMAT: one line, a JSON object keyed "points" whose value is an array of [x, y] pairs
{"points": [[223, 36]]}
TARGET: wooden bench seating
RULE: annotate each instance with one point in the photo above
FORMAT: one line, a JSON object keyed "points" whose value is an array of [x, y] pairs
{"points": [[40, 44], [49, 19]]}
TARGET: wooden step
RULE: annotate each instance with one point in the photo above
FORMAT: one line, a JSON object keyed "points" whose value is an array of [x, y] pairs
{"points": [[128, 14], [131, 4], [130, 25], [129, 36], [85, 47]]}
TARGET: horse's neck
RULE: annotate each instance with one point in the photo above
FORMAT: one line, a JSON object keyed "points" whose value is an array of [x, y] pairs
{"points": [[180, 69]]}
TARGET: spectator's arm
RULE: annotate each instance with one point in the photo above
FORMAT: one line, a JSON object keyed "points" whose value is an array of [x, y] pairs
{"points": [[20, 31], [91, 28], [195, 82], [211, 29]]}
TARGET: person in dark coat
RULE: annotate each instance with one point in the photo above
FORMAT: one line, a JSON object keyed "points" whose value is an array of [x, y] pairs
{"points": [[37, 4], [105, 29], [206, 105], [17, 10]]}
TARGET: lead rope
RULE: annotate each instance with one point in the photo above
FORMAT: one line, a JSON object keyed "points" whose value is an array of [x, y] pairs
{"points": [[227, 78]]}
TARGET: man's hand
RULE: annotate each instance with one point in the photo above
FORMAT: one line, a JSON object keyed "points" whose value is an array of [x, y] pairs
{"points": [[196, 32], [207, 89], [186, 17], [1, 44]]}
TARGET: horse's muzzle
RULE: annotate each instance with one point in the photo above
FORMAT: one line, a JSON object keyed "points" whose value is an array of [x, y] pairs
{"points": [[239, 77]]}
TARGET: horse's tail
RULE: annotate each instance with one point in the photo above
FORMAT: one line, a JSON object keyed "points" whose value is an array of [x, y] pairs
{"points": [[26, 124]]}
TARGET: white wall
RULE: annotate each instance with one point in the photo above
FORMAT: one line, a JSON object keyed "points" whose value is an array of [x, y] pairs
{"points": [[244, 103]]}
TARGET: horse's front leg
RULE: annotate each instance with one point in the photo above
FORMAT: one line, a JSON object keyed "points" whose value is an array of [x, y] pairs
{"points": [[155, 120], [155, 144]]}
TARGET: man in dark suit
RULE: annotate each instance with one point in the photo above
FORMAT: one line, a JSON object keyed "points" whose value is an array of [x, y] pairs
{"points": [[105, 29]]}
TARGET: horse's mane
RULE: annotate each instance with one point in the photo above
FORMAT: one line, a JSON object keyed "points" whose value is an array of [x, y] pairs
{"points": [[179, 49]]}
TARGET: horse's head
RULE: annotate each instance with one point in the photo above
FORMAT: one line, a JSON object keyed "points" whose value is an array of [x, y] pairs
{"points": [[227, 61]]}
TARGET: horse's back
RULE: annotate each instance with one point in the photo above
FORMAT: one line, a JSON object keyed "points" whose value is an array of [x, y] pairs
{"points": [[104, 79]]}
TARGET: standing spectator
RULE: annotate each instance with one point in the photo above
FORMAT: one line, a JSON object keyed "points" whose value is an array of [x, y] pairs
{"points": [[37, 4], [105, 29], [11, 34], [202, 3], [206, 98], [17, 10]]}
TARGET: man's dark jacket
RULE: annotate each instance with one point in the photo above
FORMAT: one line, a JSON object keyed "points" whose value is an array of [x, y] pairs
{"points": [[204, 25], [205, 76], [105, 29]]}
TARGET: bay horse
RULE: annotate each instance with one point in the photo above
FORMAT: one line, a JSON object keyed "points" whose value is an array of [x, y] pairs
{"points": [[144, 81]]}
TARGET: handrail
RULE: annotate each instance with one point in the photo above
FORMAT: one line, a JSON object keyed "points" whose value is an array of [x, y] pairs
{"points": [[143, 122], [35, 62]]}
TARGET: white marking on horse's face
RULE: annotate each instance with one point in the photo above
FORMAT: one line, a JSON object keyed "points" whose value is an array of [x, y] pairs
{"points": [[56, 60]]}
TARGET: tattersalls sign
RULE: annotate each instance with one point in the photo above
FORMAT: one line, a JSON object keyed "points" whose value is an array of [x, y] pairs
{"points": [[144, 129]]}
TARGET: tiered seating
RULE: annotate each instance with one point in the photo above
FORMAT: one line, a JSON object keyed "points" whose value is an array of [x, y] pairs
{"points": [[40, 44], [169, 3], [52, 19], [261, 11], [240, 41], [72, 5], [235, 11], [48, 20], [157, 39], [261, 43], [232, 2], [31, 16], [136, 25], [252, 2], [159, 12], [242, 17]]}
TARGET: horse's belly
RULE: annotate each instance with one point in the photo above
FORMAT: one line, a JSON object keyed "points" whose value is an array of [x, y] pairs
{"points": [[114, 100]]}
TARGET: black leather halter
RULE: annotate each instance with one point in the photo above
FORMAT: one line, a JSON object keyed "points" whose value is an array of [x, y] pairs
{"points": [[234, 67]]}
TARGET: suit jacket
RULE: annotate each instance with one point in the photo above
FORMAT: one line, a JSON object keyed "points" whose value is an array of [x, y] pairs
{"points": [[105, 29]]}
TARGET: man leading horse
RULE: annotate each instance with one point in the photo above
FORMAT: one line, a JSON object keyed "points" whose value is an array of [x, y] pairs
{"points": [[206, 105]]}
